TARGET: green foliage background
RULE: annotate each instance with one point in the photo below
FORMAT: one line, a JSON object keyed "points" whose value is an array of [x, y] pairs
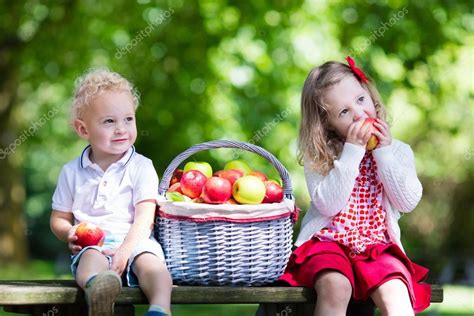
{"points": [[234, 70]]}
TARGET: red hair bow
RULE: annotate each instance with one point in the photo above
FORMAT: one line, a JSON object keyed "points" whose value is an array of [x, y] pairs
{"points": [[359, 73]]}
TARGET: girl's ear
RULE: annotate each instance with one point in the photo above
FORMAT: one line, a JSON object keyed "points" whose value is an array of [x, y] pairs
{"points": [[81, 129], [329, 126]]}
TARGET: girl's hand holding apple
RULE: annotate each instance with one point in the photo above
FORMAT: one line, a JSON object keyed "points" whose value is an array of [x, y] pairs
{"points": [[359, 133], [382, 131]]}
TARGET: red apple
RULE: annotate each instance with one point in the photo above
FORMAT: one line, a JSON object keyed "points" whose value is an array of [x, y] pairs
{"points": [[232, 174], [259, 174], [216, 190], [373, 140], [176, 188], [89, 234], [177, 174], [273, 192], [192, 183]]}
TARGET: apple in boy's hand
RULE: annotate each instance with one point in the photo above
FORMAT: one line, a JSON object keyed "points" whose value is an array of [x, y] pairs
{"points": [[89, 234], [248, 190], [238, 164], [373, 140], [273, 192], [192, 183], [232, 174], [216, 190], [202, 166]]}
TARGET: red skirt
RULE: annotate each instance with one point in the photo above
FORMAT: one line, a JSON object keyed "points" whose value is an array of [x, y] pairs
{"points": [[366, 272]]}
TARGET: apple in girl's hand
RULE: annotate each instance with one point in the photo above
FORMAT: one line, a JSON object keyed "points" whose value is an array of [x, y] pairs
{"points": [[192, 183], [238, 164], [248, 190], [373, 140], [258, 174], [89, 234], [176, 176], [202, 166], [216, 190], [232, 174], [273, 192]]}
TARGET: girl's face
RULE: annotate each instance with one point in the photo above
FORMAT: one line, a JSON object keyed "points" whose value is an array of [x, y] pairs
{"points": [[109, 125], [347, 103]]}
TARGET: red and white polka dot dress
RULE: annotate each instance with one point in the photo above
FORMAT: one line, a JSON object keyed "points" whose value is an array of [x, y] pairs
{"points": [[362, 222]]}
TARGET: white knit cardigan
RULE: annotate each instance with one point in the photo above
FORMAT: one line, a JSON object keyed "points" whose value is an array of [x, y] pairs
{"points": [[329, 194]]}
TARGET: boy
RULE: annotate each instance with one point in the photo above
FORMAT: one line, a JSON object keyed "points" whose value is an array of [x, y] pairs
{"points": [[114, 187]]}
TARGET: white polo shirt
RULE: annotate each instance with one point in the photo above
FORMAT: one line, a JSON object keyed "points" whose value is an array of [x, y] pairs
{"points": [[107, 198]]}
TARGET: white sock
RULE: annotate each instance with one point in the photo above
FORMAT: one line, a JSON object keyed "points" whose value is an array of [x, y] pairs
{"points": [[156, 308]]}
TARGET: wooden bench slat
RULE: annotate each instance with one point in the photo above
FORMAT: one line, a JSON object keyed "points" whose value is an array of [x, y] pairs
{"points": [[67, 292]]}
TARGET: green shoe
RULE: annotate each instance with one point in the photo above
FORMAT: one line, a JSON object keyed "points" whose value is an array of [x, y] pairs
{"points": [[102, 292]]}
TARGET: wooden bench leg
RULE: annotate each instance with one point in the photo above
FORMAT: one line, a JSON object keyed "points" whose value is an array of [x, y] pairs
{"points": [[48, 310], [361, 308], [124, 310]]}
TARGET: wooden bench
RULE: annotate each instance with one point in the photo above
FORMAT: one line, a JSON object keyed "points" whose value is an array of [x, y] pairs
{"points": [[63, 297]]}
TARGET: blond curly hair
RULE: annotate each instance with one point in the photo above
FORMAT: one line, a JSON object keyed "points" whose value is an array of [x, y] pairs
{"points": [[93, 83], [317, 143]]}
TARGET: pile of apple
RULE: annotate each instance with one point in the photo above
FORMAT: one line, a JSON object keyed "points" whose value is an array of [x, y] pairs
{"points": [[237, 183]]}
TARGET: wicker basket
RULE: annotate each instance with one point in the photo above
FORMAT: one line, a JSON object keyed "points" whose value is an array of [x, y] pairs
{"points": [[225, 244]]}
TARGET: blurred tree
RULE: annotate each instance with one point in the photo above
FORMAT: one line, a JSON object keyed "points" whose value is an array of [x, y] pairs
{"points": [[223, 69]]}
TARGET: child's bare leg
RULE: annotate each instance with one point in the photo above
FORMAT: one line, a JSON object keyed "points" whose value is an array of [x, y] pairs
{"points": [[154, 279], [92, 262], [334, 292], [392, 299], [104, 288]]}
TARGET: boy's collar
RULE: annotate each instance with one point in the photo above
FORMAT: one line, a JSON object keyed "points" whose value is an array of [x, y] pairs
{"points": [[86, 162]]}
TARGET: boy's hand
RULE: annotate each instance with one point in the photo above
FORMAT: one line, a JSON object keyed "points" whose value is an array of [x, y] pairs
{"points": [[382, 131], [359, 133], [71, 238], [119, 259]]}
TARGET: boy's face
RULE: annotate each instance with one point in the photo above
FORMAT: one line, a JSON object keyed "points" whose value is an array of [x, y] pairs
{"points": [[348, 102], [109, 125]]}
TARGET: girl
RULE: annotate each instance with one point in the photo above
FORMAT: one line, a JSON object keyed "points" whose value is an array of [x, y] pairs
{"points": [[349, 242]]}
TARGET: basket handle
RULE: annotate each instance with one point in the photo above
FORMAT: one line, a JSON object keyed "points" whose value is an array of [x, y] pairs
{"points": [[165, 181]]}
